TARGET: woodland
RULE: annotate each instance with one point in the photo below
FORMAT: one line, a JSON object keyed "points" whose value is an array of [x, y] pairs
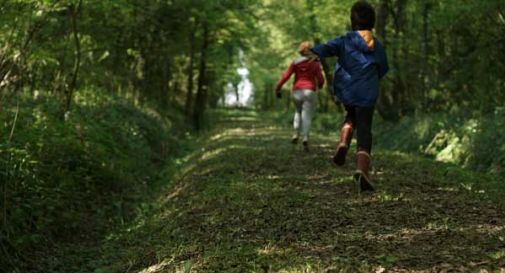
{"points": [[119, 153]]}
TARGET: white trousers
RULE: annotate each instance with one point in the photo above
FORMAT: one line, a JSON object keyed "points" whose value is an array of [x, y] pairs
{"points": [[305, 103]]}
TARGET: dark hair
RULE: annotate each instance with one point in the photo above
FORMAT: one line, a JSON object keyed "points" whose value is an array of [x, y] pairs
{"points": [[362, 16]]}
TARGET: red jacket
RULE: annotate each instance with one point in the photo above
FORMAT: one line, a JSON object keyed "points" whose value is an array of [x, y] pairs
{"points": [[307, 75]]}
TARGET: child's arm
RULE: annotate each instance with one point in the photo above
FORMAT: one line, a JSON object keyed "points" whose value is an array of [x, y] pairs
{"points": [[331, 48], [285, 77]]}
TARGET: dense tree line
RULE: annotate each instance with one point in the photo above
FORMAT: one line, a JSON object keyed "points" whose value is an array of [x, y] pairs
{"points": [[168, 53], [179, 54]]}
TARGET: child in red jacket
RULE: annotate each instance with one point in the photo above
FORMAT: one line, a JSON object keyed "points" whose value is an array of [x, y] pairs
{"points": [[308, 78]]}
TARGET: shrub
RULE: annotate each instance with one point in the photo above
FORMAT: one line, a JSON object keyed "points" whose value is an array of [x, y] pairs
{"points": [[77, 176]]}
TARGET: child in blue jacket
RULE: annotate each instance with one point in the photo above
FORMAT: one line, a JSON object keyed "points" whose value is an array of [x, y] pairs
{"points": [[362, 62]]}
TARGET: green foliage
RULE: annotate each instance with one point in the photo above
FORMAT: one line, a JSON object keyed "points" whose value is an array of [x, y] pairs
{"points": [[81, 175], [462, 139], [473, 142], [437, 51], [130, 69]]}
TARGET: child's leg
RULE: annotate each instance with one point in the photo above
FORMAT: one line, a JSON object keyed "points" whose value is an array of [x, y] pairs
{"points": [[298, 101], [345, 136], [350, 117], [348, 125], [307, 112], [364, 116]]}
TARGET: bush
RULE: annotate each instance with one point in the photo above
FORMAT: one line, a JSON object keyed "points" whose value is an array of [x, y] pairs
{"points": [[79, 175], [469, 141]]}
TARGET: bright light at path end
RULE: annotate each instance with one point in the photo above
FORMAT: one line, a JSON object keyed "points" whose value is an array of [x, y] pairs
{"points": [[244, 90]]}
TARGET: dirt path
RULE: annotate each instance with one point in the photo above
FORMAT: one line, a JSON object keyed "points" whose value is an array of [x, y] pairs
{"points": [[250, 201]]}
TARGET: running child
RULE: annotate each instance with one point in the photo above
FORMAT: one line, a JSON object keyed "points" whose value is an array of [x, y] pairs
{"points": [[362, 62]]}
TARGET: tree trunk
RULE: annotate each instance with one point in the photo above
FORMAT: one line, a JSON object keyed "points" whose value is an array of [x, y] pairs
{"points": [[190, 81], [201, 93], [237, 94], [399, 85], [425, 81], [73, 12], [382, 19], [265, 98], [385, 102], [268, 96], [166, 95], [392, 100]]}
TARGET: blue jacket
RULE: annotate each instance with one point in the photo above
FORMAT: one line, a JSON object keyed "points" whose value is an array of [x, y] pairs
{"points": [[358, 70]]}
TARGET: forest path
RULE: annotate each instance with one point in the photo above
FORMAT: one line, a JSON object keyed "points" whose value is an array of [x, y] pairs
{"points": [[250, 201]]}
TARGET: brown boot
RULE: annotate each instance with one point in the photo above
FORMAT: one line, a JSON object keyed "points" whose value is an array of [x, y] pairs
{"points": [[361, 175], [343, 144]]}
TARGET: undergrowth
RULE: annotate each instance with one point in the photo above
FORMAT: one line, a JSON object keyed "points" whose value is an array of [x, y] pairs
{"points": [[474, 141], [68, 181]]}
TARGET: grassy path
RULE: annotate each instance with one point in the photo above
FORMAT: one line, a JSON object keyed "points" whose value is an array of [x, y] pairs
{"points": [[249, 201]]}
